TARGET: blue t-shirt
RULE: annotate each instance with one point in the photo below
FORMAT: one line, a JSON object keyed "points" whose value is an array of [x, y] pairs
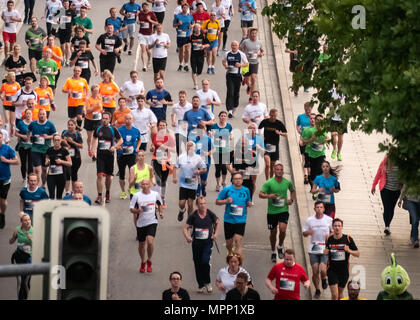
{"points": [[303, 121], [85, 198], [117, 23], [253, 142], [38, 129], [132, 10], [130, 139], [202, 145], [247, 14], [235, 212], [326, 183], [7, 152], [183, 31], [221, 137], [160, 109], [195, 117], [30, 197]]}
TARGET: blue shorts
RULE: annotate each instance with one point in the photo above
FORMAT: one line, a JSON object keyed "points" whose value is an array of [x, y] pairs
{"points": [[204, 176], [213, 44]]}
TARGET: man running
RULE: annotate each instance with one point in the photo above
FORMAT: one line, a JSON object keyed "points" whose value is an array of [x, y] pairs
{"points": [[129, 10], [65, 30], [183, 23], [109, 45], [252, 47], [31, 194], [208, 98], [147, 20], [131, 89], [159, 99], [196, 116], [211, 28], [160, 43], [82, 58], [34, 38], [302, 122], [144, 120], [177, 119], [248, 10]]}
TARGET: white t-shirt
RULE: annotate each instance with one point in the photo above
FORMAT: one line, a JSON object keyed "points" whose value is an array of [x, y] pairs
{"points": [[53, 7], [10, 26], [179, 111], [80, 3], [130, 89], [141, 120], [178, 10], [219, 11], [255, 113], [228, 279], [159, 6], [159, 50], [148, 203], [322, 228], [22, 96], [210, 94], [227, 4], [188, 164]]}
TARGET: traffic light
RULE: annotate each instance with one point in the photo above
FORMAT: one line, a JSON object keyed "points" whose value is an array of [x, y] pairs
{"points": [[79, 246]]}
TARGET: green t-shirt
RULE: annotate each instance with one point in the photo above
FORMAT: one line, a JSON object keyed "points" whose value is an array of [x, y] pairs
{"points": [[86, 23], [23, 240], [323, 57], [35, 37], [278, 205], [316, 148], [46, 67]]}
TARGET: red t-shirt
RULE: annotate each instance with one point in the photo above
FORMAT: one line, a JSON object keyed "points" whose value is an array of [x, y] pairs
{"points": [[190, 2], [200, 18], [287, 281], [161, 153], [146, 28]]}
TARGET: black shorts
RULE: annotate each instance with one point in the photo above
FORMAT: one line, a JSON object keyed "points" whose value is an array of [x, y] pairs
{"points": [[37, 55], [197, 63], [160, 16], [247, 24], [338, 277], [124, 161], [73, 112], [91, 125], [105, 163], [71, 172], [232, 229], [4, 189], [64, 35], [253, 69], [143, 232], [274, 219], [274, 156], [159, 64], [38, 159], [338, 126], [143, 146], [185, 194], [10, 108], [181, 41]]}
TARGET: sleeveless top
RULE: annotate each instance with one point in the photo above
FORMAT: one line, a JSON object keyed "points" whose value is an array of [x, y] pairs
{"points": [[141, 175]]}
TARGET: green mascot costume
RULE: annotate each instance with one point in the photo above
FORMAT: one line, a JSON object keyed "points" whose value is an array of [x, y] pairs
{"points": [[395, 282]]}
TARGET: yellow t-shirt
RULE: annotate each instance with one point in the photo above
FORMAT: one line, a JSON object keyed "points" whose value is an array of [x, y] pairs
{"points": [[212, 28], [77, 97], [107, 91]]}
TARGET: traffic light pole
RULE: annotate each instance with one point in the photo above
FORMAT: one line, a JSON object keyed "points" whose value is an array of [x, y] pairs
{"points": [[14, 270]]}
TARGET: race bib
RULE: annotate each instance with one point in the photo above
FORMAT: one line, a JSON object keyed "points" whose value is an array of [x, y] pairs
{"points": [[29, 205], [338, 254], [212, 31], [44, 101], [271, 148], [39, 140], [253, 56], [84, 64], [144, 25], [233, 70], [128, 150], [325, 197], [286, 284], [190, 180], [279, 202], [317, 247], [109, 48], [65, 19], [236, 210], [34, 41], [161, 154], [104, 145], [147, 208], [56, 169], [182, 33], [220, 143], [131, 15], [196, 46], [106, 99], [9, 97], [46, 70], [72, 152], [158, 105], [76, 95], [201, 234], [317, 146], [97, 116]]}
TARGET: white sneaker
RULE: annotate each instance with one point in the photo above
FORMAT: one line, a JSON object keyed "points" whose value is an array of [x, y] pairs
{"points": [[208, 288], [24, 183], [201, 290]]}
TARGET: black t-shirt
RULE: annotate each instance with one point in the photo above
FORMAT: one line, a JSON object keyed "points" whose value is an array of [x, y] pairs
{"points": [[244, 158], [106, 137], [76, 40], [202, 228], [83, 61], [15, 64], [76, 137], [71, 14], [109, 43], [53, 155], [337, 257], [270, 135], [234, 294], [182, 293], [196, 41]]}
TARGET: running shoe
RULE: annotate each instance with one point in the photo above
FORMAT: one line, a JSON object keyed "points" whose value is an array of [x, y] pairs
{"points": [[144, 69], [218, 188], [2, 220], [218, 54], [387, 231], [315, 196], [339, 157], [317, 294], [324, 284], [230, 114], [306, 181], [203, 191], [143, 267], [107, 198], [186, 69], [248, 90], [208, 70], [118, 59], [212, 70], [200, 290], [280, 252], [125, 48], [209, 288], [123, 195], [98, 200], [224, 49], [273, 257], [179, 68], [416, 244], [333, 154], [181, 216], [129, 52], [149, 266]]}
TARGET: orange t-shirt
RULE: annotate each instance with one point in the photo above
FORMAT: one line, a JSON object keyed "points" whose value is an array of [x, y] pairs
{"points": [[43, 101], [77, 98], [35, 112], [9, 90], [119, 117], [107, 91], [97, 111], [57, 51]]}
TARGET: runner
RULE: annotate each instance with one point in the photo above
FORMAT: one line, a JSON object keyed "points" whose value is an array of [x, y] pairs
{"points": [[158, 7], [236, 199], [319, 227], [227, 4], [275, 190], [288, 276], [118, 119], [11, 18], [117, 22], [17, 64], [82, 20], [29, 9], [208, 98], [252, 47], [77, 89], [273, 129], [21, 97], [160, 43], [177, 119], [302, 122], [205, 227], [211, 28], [199, 44], [144, 120], [242, 291], [7, 91], [233, 61], [140, 171], [109, 91], [248, 10], [200, 15], [339, 247], [82, 58], [79, 35], [256, 111], [324, 187], [48, 67], [190, 166], [34, 38], [31, 194], [65, 31], [44, 97], [143, 207], [93, 116], [159, 99], [106, 139], [147, 20], [183, 23], [176, 292], [196, 116], [129, 10], [131, 89], [7, 157], [51, 12], [196, 3], [126, 156], [24, 146], [109, 45], [339, 128], [221, 13], [75, 141]]}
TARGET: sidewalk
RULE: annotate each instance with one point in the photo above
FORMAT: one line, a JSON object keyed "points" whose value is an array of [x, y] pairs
{"points": [[360, 211]]}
